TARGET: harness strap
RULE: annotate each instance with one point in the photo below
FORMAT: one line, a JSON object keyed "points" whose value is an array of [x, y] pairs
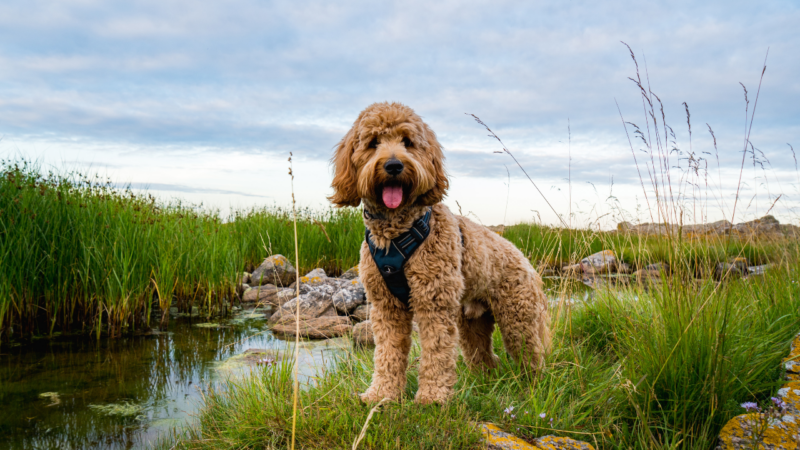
{"points": [[391, 261]]}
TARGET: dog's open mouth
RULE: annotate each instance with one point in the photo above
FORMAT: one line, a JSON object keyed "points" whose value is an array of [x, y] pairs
{"points": [[392, 195]]}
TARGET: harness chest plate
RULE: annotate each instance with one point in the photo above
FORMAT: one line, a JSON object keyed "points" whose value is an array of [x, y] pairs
{"points": [[391, 261]]}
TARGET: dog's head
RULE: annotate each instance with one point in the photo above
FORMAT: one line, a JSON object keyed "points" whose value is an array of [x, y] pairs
{"points": [[391, 158]]}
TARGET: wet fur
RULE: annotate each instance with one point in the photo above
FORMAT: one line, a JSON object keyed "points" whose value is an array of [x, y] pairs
{"points": [[458, 292]]}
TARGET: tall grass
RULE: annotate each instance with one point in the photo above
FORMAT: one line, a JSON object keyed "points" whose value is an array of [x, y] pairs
{"points": [[78, 254]]}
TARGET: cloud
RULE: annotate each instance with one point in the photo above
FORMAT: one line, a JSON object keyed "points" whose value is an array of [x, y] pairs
{"points": [[278, 77]]}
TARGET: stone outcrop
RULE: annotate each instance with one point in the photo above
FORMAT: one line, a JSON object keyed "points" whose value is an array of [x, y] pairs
{"points": [[274, 270], [600, 262], [350, 297], [361, 313], [351, 274], [497, 439], [311, 306], [319, 328], [261, 294], [362, 335], [767, 226]]}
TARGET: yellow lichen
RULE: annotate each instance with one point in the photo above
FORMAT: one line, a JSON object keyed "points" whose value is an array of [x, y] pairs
{"points": [[741, 432], [790, 394], [561, 443], [498, 439]]}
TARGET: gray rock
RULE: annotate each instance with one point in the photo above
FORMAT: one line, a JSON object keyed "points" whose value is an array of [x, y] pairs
{"points": [[362, 334], [600, 262], [312, 305], [275, 270], [758, 270], [351, 273], [261, 294], [316, 273], [319, 328], [361, 313], [350, 297]]}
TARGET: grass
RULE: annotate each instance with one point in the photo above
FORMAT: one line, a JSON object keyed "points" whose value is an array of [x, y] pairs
{"points": [[663, 367], [78, 254]]}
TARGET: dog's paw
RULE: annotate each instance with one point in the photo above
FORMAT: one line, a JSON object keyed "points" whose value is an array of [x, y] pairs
{"points": [[371, 397], [430, 397]]}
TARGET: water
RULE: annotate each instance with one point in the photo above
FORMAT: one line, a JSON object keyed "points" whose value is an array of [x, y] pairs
{"points": [[76, 393]]}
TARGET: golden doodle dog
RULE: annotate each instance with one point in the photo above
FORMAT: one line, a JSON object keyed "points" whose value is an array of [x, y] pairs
{"points": [[419, 261]]}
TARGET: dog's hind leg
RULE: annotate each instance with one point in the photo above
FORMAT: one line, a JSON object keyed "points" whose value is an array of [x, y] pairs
{"points": [[391, 326], [475, 338], [521, 313]]}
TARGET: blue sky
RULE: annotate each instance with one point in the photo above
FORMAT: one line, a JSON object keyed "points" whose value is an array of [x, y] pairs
{"points": [[204, 100]]}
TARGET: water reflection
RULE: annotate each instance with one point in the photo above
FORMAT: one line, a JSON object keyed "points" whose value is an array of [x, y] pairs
{"points": [[148, 384]]}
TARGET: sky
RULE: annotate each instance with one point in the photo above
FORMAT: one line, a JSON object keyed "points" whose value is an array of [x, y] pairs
{"points": [[202, 102]]}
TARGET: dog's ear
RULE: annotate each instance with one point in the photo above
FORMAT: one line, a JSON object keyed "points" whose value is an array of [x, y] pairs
{"points": [[441, 184], [344, 182]]}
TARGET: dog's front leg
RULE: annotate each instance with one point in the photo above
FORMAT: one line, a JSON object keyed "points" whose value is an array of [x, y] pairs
{"points": [[438, 335], [391, 326]]}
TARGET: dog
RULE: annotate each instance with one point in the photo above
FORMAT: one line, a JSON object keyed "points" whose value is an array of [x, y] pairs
{"points": [[460, 279]]}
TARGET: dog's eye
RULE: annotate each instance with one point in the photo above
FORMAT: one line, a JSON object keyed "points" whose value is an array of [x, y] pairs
{"points": [[373, 143], [407, 142]]}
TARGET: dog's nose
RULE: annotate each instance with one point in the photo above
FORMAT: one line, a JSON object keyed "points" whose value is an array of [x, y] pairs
{"points": [[393, 167]]}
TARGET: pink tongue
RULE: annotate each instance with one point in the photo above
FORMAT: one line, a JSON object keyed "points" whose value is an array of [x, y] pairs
{"points": [[392, 196]]}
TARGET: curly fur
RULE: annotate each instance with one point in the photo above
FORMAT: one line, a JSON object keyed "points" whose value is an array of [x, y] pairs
{"points": [[459, 286]]}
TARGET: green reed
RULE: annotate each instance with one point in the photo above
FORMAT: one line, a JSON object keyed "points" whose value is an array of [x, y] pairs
{"points": [[78, 254]]}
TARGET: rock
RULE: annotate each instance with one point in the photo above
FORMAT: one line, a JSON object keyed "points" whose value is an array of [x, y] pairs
{"points": [[647, 275], [765, 226], [497, 439], [560, 443], [312, 305], [351, 273], [261, 294], [624, 227], [274, 270], [718, 228], [758, 270], [328, 285], [362, 334], [658, 267], [792, 362], [350, 297], [284, 295], [319, 328], [572, 270], [600, 262], [548, 272], [737, 267], [361, 313], [244, 278], [740, 432], [790, 394], [316, 273], [624, 268]]}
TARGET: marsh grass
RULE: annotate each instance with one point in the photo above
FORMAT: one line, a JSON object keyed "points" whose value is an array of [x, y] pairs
{"points": [[658, 367], [78, 254]]}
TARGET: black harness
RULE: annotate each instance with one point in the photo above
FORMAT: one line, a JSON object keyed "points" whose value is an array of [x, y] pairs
{"points": [[390, 261]]}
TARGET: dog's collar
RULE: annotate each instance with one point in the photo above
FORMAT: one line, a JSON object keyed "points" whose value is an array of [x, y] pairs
{"points": [[390, 261]]}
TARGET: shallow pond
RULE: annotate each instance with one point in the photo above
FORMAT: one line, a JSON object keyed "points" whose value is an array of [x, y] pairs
{"points": [[76, 393]]}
